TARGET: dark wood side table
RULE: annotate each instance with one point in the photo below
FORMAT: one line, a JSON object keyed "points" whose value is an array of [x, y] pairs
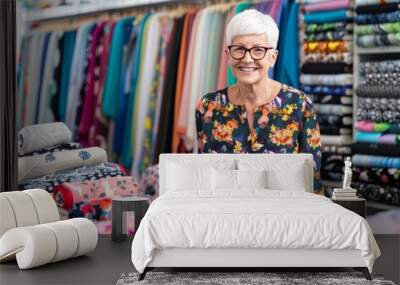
{"points": [[138, 205], [357, 205]]}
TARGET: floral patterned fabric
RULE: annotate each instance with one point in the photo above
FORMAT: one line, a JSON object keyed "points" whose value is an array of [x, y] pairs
{"points": [[287, 124]]}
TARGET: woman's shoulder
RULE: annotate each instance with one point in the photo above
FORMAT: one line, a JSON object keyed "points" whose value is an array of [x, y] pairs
{"points": [[296, 95]]}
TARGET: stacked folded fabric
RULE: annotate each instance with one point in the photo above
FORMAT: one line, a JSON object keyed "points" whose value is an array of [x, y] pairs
{"points": [[80, 180], [377, 131], [344, 194], [378, 23], [327, 58]]}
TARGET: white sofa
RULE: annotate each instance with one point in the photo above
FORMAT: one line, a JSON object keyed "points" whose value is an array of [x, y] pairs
{"points": [[31, 231]]}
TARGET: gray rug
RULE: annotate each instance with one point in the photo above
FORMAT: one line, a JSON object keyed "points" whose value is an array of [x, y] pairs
{"points": [[269, 278]]}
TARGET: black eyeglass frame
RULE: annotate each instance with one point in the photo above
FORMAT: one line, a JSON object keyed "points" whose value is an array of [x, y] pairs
{"points": [[249, 50]]}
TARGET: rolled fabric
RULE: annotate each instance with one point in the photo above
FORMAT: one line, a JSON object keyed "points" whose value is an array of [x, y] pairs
{"points": [[377, 40], [367, 19], [377, 138], [326, 68], [368, 126], [334, 149], [376, 161], [392, 117], [364, 90], [379, 104], [327, 46], [370, 2], [327, 16], [378, 8], [328, 27], [383, 66], [48, 163], [24, 211], [317, 57], [327, 90], [328, 36], [60, 147], [332, 175], [382, 78], [377, 28], [332, 130], [341, 79], [384, 176], [327, 5], [335, 120], [376, 149], [332, 162], [329, 99], [45, 207], [333, 109], [8, 220], [37, 137], [378, 193], [336, 140]]}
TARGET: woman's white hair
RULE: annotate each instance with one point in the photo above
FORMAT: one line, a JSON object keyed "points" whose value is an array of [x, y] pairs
{"points": [[253, 22]]}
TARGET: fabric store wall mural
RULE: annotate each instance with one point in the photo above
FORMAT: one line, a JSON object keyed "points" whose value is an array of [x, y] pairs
{"points": [[130, 85]]}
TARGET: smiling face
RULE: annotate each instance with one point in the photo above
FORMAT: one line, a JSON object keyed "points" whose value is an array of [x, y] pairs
{"points": [[247, 70]]}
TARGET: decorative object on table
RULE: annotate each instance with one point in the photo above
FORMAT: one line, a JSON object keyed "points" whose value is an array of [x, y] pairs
{"points": [[345, 193], [244, 278], [31, 231], [347, 174], [357, 205], [121, 210]]}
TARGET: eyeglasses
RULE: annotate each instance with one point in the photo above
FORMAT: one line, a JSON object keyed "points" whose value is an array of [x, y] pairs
{"points": [[256, 53]]}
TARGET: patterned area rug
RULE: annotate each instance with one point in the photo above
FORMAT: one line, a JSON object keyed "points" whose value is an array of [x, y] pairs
{"points": [[241, 278]]}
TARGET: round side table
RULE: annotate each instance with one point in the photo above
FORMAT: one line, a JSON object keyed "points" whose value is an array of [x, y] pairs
{"points": [[139, 205]]}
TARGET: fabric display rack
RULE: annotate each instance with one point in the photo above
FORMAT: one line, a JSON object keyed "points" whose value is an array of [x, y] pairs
{"points": [[376, 145], [124, 80], [81, 180], [326, 75]]}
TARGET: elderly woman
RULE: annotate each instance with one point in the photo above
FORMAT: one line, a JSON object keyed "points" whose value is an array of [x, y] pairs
{"points": [[257, 114]]}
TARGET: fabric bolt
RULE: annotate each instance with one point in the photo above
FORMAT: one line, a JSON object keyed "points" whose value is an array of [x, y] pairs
{"points": [[56, 148], [336, 139], [333, 109], [376, 149], [77, 75], [392, 117], [328, 149], [95, 210], [378, 193], [372, 137], [387, 128], [384, 176], [385, 28], [382, 78], [69, 193], [334, 35], [365, 90], [335, 120], [66, 65], [377, 40], [326, 68], [333, 162], [327, 46], [85, 173], [340, 57], [378, 8], [369, 2], [332, 99], [367, 19], [336, 80], [332, 176], [379, 104], [328, 90], [327, 5], [222, 126], [376, 161], [332, 130], [383, 66], [328, 27], [47, 163], [327, 16]]}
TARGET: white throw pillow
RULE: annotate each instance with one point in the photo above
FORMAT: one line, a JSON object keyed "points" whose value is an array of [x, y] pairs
{"points": [[223, 179], [251, 178], [182, 177], [279, 180]]}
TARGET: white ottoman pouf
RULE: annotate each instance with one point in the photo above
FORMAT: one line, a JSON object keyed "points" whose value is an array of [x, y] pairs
{"points": [[31, 232]]}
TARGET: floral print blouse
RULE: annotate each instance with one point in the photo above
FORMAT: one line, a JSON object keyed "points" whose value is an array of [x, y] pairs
{"points": [[287, 124]]}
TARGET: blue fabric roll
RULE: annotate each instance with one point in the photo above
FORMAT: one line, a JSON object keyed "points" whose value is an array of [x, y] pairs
{"points": [[326, 17], [376, 161]]}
